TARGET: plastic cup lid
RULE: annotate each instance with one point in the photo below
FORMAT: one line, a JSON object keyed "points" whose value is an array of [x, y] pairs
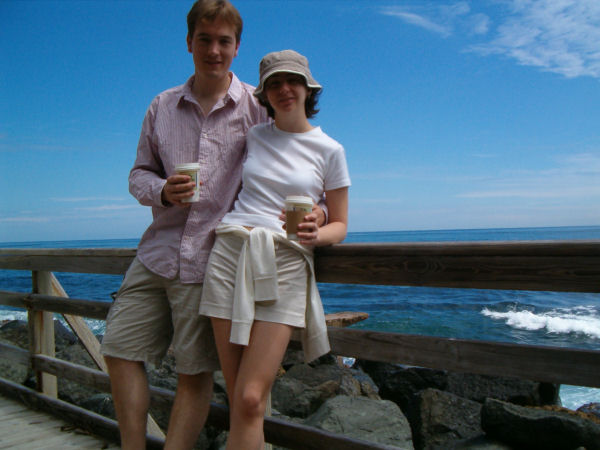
{"points": [[188, 166], [298, 199]]}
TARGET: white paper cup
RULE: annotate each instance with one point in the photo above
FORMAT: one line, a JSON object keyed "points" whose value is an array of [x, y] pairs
{"points": [[190, 169], [296, 207]]}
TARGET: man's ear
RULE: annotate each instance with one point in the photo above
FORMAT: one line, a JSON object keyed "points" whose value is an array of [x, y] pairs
{"points": [[188, 40]]}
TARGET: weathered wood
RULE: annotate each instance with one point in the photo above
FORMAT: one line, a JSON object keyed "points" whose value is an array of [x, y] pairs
{"points": [[81, 330], [345, 318], [14, 299], [41, 337], [530, 362], [24, 428], [87, 420], [83, 260], [532, 265], [92, 309]]}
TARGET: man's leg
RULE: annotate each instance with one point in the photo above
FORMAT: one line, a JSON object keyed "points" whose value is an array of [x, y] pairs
{"points": [[190, 410], [131, 398]]}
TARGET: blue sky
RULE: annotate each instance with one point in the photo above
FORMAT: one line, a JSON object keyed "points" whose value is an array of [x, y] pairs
{"points": [[454, 114]]}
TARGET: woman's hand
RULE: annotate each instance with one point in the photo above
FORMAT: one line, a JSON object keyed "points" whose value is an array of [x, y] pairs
{"points": [[308, 230]]}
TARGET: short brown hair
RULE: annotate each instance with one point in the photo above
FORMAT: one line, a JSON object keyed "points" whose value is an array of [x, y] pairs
{"points": [[211, 10]]}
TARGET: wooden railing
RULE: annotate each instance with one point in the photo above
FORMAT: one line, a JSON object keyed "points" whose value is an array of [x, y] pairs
{"points": [[533, 265]]}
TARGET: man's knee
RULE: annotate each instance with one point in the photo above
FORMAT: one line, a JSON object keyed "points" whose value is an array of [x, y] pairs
{"points": [[118, 368], [201, 382]]}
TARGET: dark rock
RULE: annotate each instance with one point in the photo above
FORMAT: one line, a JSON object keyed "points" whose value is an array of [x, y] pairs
{"points": [[15, 332], [590, 408], [521, 392], [482, 442], [438, 418], [292, 397], [304, 387], [399, 383], [368, 388], [17, 373], [99, 403], [539, 428], [378, 421]]}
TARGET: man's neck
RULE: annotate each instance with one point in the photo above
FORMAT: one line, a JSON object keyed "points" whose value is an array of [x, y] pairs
{"points": [[208, 91]]}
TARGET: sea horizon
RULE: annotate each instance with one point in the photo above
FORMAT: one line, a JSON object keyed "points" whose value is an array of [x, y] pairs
{"points": [[509, 233]]}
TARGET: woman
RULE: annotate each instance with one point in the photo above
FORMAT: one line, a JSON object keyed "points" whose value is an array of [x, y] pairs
{"points": [[260, 286]]}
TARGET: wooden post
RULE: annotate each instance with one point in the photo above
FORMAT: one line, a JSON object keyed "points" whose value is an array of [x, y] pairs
{"points": [[41, 332], [92, 346]]}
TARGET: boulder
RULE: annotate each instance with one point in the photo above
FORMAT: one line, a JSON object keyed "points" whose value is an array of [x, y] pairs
{"points": [[539, 428], [439, 418], [590, 408], [378, 421], [398, 383], [521, 392]]}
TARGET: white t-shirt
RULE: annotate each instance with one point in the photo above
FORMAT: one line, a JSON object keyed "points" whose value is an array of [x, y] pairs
{"points": [[281, 164]]}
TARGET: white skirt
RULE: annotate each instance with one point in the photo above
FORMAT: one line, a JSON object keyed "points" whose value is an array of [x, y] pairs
{"points": [[219, 283]]}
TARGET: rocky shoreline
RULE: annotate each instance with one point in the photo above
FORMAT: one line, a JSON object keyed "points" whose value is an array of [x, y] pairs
{"points": [[405, 407]]}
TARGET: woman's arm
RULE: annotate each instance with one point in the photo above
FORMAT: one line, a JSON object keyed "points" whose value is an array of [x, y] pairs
{"points": [[336, 228]]}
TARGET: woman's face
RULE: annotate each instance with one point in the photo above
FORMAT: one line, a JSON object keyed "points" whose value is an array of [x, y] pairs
{"points": [[286, 92]]}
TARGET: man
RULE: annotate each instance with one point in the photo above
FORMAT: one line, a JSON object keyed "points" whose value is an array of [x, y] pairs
{"points": [[206, 121]]}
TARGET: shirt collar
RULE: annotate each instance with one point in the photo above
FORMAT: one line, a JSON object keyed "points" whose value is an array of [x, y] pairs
{"points": [[234, 93]]}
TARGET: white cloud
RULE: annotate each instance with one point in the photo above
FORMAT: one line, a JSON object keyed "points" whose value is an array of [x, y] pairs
{"points": [[559, 36], [110, 207], [576, 177], [441, 19], [23, 219], [86, 199], [418, 20]]}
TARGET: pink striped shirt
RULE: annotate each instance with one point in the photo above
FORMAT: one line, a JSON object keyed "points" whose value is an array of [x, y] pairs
{"points": [[175, 131]]}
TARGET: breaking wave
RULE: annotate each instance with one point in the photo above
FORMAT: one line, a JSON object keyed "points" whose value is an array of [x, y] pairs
{"points": [[584, 320]]}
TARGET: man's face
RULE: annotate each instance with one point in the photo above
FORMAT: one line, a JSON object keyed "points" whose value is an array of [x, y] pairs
{"points": [[213, 47]]}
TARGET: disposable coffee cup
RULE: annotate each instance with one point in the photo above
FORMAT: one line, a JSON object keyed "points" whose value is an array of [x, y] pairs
{"points": [[296, 207], [190, 169]]}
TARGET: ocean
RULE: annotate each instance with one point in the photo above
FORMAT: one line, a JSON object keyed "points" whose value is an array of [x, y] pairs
{"points": [[540, 318]]}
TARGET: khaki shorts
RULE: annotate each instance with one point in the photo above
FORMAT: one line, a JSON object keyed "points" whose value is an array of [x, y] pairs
{"points": [[219, 283], [152, 313]]}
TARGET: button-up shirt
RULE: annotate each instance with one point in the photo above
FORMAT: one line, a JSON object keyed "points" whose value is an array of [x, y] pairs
{"points": [[175, 131]]}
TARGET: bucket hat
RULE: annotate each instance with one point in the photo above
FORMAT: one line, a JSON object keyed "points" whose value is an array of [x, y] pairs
{"points": [[284, 61]]}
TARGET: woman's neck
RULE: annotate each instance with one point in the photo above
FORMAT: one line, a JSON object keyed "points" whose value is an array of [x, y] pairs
{"points": [[292, 124]]}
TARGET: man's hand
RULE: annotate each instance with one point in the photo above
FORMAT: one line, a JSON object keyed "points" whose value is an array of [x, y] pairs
{"points": [[176, 189]]}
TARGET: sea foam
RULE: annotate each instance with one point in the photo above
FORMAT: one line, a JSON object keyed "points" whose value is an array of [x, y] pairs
{"points": [[581, 320]]}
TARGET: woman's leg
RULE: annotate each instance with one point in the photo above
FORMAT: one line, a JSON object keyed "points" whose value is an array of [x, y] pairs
{"points": [[229, 355], [257, 370]]}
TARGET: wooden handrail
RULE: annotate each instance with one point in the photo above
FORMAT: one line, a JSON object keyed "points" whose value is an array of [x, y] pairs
{"points": [[532, 265], [517, 265]]}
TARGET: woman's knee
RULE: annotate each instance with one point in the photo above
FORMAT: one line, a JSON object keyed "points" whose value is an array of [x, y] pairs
{"points": [[251, 402]]}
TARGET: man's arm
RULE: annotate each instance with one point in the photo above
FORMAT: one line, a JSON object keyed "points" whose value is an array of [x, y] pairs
{"points": [[147, 177]]}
